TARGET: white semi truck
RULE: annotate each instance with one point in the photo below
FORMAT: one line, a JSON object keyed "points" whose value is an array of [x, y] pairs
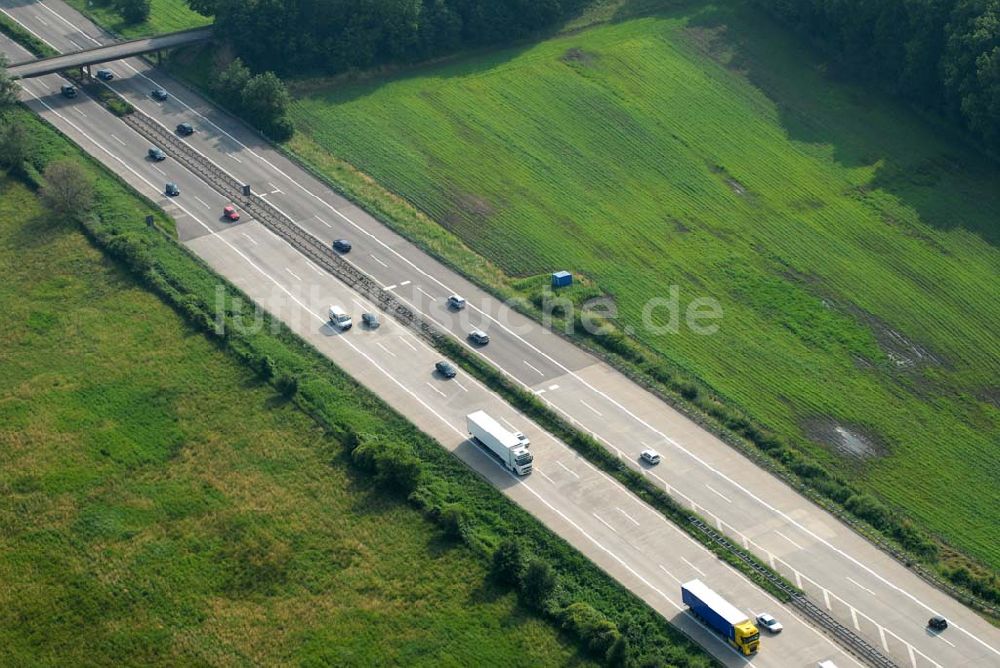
{"points": [[510, 447]]}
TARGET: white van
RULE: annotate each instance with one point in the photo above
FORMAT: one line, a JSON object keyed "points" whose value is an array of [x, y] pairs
{"points": [[339, 318]]}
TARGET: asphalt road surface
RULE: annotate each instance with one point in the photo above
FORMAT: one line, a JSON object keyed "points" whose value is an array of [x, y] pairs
{"points": [[862, 587]]}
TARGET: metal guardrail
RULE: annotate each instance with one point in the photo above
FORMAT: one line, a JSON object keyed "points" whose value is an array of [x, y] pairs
{"points": [[848, 639]]}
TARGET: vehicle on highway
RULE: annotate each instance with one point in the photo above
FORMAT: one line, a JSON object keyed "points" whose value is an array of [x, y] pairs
{"points": [[185, 129], [826, 664], [229, 212], [159, 94], [938, 623], [722, 616], [370, 320], [156, 154], [456, 302], [340, 319], [769, 623], [105, 75], [446, 369], [172, 190], [511, 448], [342, 245], [68, 90], [479, 337], [651, 457]]}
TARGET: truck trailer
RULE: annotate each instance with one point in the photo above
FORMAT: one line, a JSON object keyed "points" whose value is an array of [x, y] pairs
{"points": [[720, 615], [511, 448]]}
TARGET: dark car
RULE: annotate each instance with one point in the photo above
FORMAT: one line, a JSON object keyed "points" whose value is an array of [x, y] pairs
{"points": [[156, 154], [172, 190], [938, 623], [68, 90], [479, 337], [370, 320], [185, 129], [342, 245], [160, 94], [105, 75], [446, 369]]}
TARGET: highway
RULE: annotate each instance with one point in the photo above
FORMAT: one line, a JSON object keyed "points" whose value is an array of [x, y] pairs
{"points": [[651, 562], [861, 586]]}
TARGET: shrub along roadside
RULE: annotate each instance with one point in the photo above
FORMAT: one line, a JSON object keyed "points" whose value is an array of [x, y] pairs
{"points": [[380, 441], [888, 528]]}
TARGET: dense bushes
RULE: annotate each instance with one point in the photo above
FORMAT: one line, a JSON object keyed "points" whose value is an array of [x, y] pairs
{"points": [[394, 464], [260, 99], [133, 11], [334, 35], [941, 54], [538, 587]]}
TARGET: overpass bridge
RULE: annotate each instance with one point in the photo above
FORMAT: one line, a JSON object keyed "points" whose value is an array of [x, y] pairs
{"points": [[107, 53]]}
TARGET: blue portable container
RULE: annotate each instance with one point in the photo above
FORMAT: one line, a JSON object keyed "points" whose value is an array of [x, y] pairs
{"points": [[561, 279]]}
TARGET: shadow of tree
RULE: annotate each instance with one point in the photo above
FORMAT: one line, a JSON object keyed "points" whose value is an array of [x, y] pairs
{"points": [[922, 160]]}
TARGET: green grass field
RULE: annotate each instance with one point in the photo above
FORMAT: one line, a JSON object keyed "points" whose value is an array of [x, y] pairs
{"points": [[160, 506], [164, 16], [851, 243]]}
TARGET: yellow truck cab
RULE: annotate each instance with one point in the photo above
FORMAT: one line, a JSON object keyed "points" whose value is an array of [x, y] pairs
{"points": [[746, 637]]}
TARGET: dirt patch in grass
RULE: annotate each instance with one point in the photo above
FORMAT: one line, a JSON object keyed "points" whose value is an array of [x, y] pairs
{"points": [[576, 55], [467, 211], [902, 351], [729, 180], [850, 440]]}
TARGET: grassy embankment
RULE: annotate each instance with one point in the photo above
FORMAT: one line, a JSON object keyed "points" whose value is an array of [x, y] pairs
{"points": [[850, 243], [164, 503], [164, 16]]}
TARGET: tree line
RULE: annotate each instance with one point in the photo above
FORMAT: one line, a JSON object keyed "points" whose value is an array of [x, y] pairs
{"points": [[943, 55], [329, 36]]}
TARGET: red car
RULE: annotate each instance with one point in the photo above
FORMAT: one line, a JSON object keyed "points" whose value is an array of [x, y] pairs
{"points": [[231, 213]]}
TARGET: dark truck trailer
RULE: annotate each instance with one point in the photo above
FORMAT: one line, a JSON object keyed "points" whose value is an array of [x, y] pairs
{"points": [[719, 614]]}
